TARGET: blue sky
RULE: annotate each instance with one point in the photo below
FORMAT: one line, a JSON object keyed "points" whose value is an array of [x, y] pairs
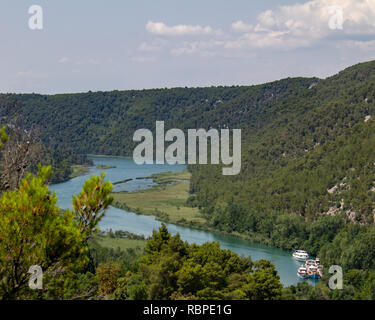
{"points": [[106, 45]]}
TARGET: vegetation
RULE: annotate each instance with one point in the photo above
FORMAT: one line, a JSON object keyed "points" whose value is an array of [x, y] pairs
{"points": [[358, 285], [65, 162], [299, 140], [116, 240], [103, 167], [78, 170], [173, 269], [307, 179], [33, 231], [122, 181], [167, 200], [65, 244], [107, 242], [31, 150]]}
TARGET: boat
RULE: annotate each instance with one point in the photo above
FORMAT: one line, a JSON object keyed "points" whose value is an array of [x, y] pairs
{"points": [[300, 255], [312, 268], [302, 272], [313, 272], [318, 265], [310, 263]]}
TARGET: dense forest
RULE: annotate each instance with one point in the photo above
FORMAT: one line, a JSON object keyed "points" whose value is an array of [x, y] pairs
{"points": [[308, 176], [306, 142], [104, 122], [308, 162], [34, 231]]}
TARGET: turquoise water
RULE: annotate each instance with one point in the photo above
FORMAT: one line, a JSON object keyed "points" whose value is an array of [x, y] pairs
{"points": [[117, 219]]}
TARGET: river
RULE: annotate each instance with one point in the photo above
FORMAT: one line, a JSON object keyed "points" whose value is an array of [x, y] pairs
{"points": [[117, 219]]}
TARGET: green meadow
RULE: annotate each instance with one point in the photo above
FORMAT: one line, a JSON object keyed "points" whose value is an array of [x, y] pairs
{"points": [[166, 200]]}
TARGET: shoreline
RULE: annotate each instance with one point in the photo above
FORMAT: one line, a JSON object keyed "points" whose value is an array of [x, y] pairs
{"points": [[201, 227], [198, 224], [108, 156], [160, 180], [162, 217]]}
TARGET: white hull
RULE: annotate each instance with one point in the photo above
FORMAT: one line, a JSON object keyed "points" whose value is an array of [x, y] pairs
{"points": [[299, 258]]}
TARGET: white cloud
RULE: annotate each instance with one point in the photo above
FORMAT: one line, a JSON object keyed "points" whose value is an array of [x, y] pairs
{"points": [[363, 45], [148, 47], [284, 28], [154, 46], [63, 60], [90, 61], [160, 28], [203, 47], [93, 61], [143, 59], [240, 26], [31, 74], [24, 74], [306, 24]]}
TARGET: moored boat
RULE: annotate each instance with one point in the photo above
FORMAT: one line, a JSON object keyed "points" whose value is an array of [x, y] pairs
{"points": [[312, 268], [313, 272], [300, 255], [302, 272], [310, 263], [318, 265]]}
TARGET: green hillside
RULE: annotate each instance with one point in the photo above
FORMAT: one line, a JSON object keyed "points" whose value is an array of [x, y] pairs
{"points": [[308, 159], [315, 158], [308, 176], [104, 122]]}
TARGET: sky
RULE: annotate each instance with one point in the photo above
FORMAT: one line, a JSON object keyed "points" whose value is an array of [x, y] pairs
{"points": [[123, 44]]}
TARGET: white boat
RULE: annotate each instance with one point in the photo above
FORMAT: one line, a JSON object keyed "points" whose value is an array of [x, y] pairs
{"points": [[318, 265], [300, 255], [302, 272], [310, 263], [313, 272], [312, 268]]}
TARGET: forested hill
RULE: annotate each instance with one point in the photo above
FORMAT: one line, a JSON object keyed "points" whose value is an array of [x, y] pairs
{"points": [[308, 144], [104, 122], [316, 158]]}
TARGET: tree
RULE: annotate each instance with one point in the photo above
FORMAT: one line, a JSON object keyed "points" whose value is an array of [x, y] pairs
{"points": [[172, 269], [136, 288], [34, 231], [89, 206], [21, 151], [3, 137], [158, 240], [107, 276], [263, 283]]}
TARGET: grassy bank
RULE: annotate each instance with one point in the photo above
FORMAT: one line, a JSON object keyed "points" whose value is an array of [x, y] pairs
{"points": [[78, 170], [166, 201], [103, 167], [122, 243], [108, 156]]}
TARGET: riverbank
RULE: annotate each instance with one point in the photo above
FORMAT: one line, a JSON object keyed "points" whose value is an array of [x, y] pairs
{"points": [[198, 232], [78, 170], [167, 200], [104, 167], [106, 241], [107, 156]]}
